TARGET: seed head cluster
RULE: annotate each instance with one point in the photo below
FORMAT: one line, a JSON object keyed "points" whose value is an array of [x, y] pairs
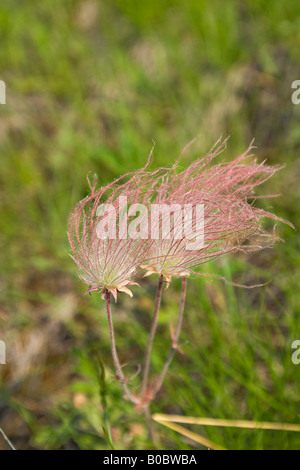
{"points": [[110, 257]]}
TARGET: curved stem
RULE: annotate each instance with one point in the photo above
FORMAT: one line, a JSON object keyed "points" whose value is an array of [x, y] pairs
{"points": [[151, 337], [120, 375], [175, 338]]}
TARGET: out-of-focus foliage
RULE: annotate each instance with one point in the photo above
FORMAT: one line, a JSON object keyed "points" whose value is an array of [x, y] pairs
{"points": [[90, 84]]}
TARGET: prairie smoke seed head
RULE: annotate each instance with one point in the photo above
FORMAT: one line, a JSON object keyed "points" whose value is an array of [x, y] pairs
{"points": [[107, 259], [185, 219], [230, 221]]}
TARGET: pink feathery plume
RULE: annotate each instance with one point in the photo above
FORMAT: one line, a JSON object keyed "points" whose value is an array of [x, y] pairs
{"points": [[231, 222], [169, 241], [107, 257]]}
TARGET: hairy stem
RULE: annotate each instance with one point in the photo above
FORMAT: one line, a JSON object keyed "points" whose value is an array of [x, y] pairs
{"points": [[175, 339], [120, 375], [151, 337]]}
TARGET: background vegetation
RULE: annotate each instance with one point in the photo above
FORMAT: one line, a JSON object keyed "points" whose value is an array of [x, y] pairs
{"points": [[90, 85]]}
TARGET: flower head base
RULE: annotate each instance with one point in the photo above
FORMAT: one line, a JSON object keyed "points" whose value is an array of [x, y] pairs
{"points": [[165, 259], [107, 275]]}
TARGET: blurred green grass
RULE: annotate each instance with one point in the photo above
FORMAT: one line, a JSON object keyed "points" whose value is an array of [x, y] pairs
{"points": [[90, 85]]}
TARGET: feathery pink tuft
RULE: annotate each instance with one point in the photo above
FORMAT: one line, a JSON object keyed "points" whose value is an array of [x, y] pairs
{"points": [[231, 221], [110, 262]]}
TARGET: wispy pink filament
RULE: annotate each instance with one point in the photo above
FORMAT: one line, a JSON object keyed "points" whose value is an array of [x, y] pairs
{"points": [[231, 220]]}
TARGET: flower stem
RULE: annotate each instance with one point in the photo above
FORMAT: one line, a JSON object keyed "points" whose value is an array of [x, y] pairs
{"points": [[151, 337], [153, 436], [175, 338], [120, 375]]}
